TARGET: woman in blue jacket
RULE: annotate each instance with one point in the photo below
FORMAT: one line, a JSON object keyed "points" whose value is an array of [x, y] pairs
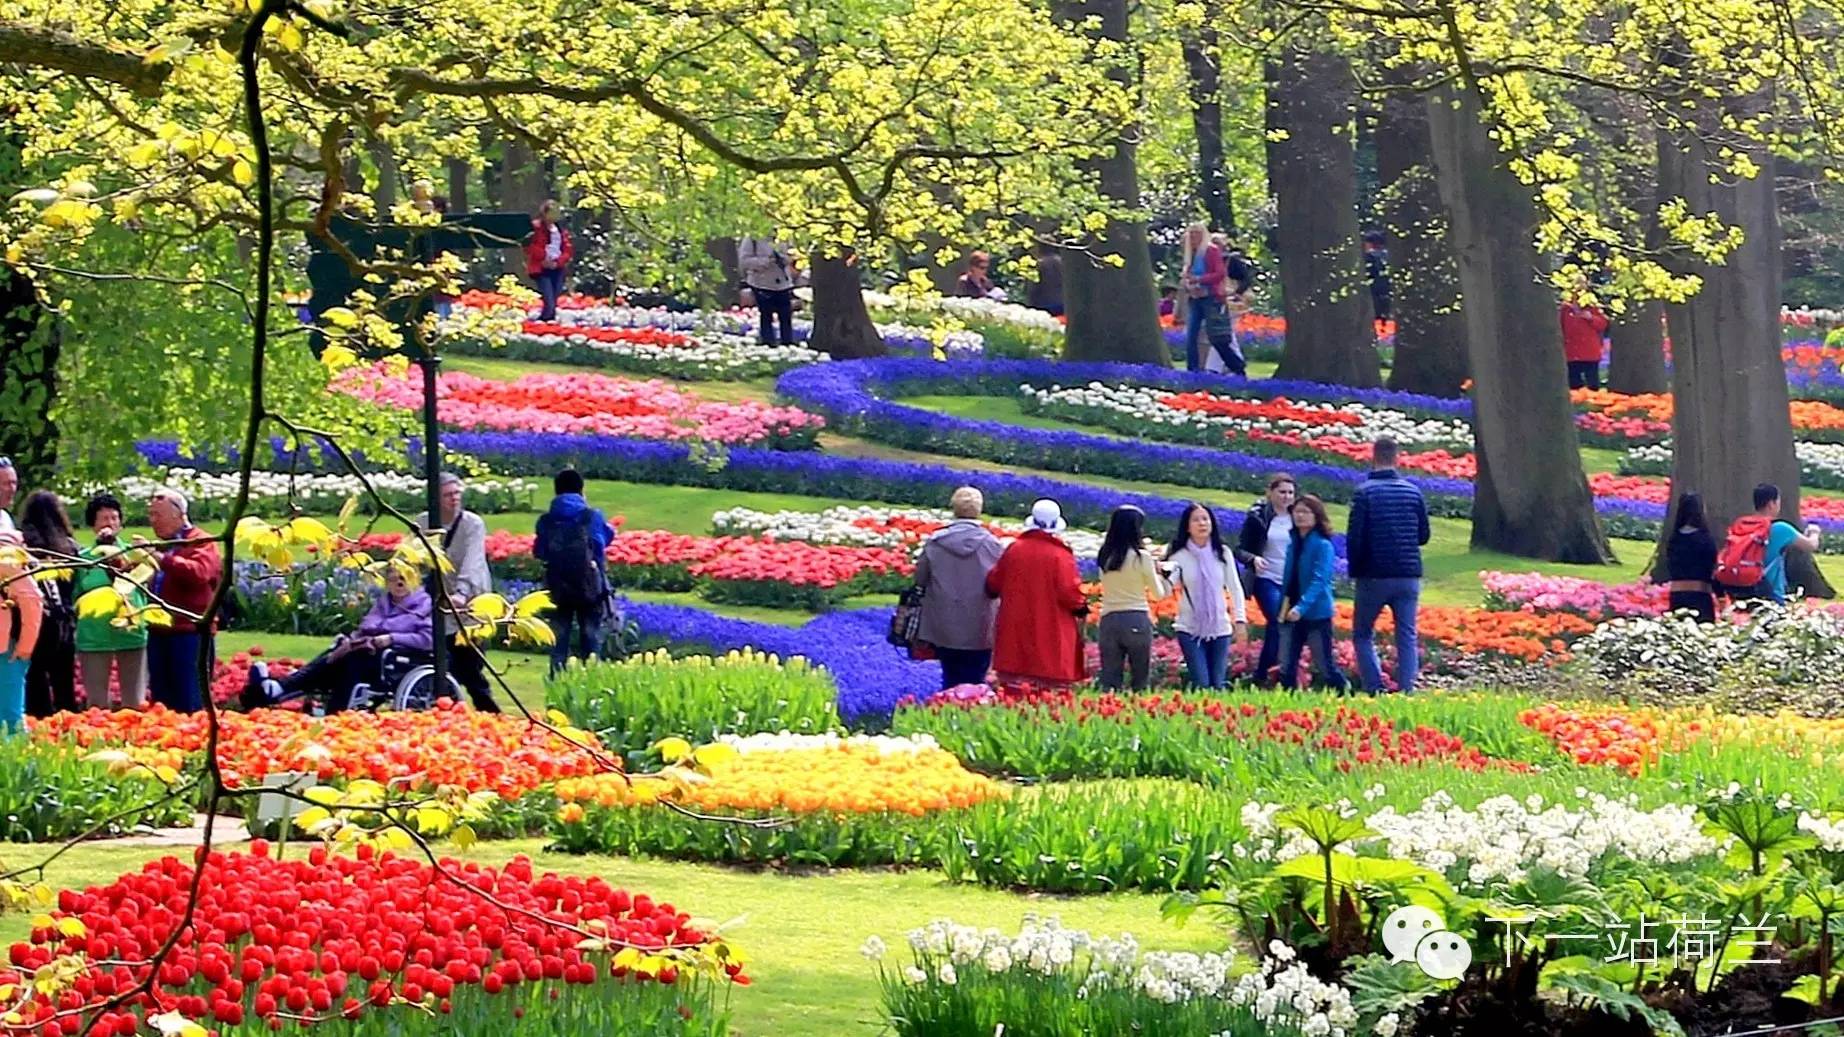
{"points": [[1307, 593]]}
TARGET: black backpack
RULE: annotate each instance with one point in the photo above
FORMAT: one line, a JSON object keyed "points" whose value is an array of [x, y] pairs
{"points": [[572, 569]]}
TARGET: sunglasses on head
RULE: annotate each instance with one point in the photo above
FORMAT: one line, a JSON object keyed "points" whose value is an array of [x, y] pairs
{"points": [[6, 462]]}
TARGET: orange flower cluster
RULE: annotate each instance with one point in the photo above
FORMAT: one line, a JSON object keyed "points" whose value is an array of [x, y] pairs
{"points": [[1808, 415], [846, 776], [1635, 738], [447, 745], [1528, 636], [1628, 740]]}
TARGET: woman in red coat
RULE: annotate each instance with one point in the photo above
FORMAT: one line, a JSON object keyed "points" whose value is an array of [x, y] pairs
{"points": [[1583, 326], [1038, 635], [547, 255]]}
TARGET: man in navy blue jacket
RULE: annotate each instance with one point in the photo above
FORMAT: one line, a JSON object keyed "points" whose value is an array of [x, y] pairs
{"points": [[1388, 526], [572, 543]]}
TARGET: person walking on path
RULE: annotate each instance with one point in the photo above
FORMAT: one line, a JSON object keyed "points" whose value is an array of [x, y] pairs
{"points": [[1041, 604], [1584, 328], [1752, 563], [1211, 606], [957, 615], [1690, 560], [1383, 541], [463, 539], [185, 582], [572, 544], [768, 272], [547, 257], [1129, 578], [51, 683], [1204, 280], [101, 645], [1307, 586], [1262, 546], [20, 608]]}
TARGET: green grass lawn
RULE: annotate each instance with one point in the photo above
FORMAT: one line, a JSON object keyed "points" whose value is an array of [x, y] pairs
{"points": [[800, 933]]}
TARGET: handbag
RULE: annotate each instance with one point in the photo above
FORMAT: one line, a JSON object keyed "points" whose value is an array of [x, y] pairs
{"points": [[746, 297], [907, 619], [1221, 328]]}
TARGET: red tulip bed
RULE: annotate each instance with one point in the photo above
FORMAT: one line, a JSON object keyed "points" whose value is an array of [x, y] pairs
{"points": [[589, 404], [371, 944]]}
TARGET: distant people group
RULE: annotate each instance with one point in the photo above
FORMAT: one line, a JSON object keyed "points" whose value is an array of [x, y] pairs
{"points": [[1018, 611], [1750, 564]]}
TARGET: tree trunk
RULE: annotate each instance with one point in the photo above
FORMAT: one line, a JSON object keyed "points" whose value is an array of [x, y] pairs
{"points": [[1430, 354], [457, 169], [384, 192], [1113, 309], [1636, 363], [1531, 496], [842, 325], [1312, 167], [723, 250], [1730, 427], [1205, 80], [30, 342]]}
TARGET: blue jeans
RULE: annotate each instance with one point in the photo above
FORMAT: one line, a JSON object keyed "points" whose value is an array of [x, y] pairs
{"points": [[1196, 311], [550, 286], [12, 693], [1319, 632], [1206, 660], [1268, 597], [588, 622], [172, 670], [963, 666], [1402, 594]]}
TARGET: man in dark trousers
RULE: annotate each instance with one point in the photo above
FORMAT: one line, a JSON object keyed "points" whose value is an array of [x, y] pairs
{"points": [[1388, 526], [1376, 271], [572, 544]]}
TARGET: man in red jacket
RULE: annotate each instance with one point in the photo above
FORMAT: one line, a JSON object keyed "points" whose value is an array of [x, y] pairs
{"points": [[185, 583], [1038, 635], [1583, 324]]}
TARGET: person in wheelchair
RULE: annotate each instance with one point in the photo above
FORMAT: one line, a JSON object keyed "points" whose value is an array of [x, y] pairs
{"points": [[398, 622]]}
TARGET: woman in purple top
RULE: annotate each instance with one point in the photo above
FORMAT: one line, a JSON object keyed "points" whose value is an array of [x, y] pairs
{"points": [[400, 619]]}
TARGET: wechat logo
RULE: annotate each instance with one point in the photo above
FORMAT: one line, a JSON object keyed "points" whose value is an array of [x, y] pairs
{"points": [[1418, 934]]}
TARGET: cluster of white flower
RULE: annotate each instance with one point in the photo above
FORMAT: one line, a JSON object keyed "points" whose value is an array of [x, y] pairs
{"points": [[786, 741], [1145, 404], [869, 527], [1504, 838], [305, 488], [1790, 646], [708, 355], [1286, 997], [988, 310], [1820, 464], [1829, 831]]}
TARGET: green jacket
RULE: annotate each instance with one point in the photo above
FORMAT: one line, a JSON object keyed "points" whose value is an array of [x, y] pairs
{"points": [[98, 635]]}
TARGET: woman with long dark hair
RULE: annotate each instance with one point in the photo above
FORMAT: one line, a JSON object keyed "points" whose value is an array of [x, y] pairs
{"points": [[1307, 586], [1210, 594], [1690, 560], [51, 683], [1129, 577]]}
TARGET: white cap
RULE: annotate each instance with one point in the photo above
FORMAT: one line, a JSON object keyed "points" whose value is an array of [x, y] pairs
{"points": [[1047, 515]]}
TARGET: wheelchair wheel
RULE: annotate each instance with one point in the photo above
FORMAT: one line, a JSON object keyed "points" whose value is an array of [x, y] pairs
{"points": [[418, 689]]}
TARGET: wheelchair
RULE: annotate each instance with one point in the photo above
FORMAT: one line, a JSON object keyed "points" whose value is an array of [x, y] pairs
{"points": [[407, 682]]}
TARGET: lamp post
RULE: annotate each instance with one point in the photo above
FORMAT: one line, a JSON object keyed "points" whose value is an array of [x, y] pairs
{"points": [[432, 473]]}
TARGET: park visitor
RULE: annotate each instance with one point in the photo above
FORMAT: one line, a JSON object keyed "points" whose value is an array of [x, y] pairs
{"points": [[1262, 546], [400, 618], [1584, 327], [547, 257], [102, 646], [1752, 563], [1211, 606], [1690, 560], [1047, 291], [462, 536], [957, 615], [185, 583], [1307, 586], [1168, 303], [1129, 578], [9, 487], [20, 608], [51, 682], [1376, 273], [768, 273], [1383, 541], [976, 283], [1205, 280], [572, 545], [1041, 605]]}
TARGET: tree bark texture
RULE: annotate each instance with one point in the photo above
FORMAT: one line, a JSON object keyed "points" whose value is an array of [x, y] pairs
{"points": [[1636, 363], [1730, 427], [723, 250], [1113, 308], [457, 171], [1312, 167], [842, 325], [1204, 80], [1531, 496], [1430, 354]]}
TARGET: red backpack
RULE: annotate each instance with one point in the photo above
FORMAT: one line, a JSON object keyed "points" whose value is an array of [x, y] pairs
{"points": [[1742, 563]]}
